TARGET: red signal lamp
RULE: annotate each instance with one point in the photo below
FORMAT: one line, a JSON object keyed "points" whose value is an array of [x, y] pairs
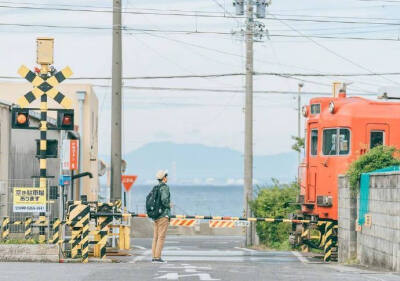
{"points": [[65, 119]]}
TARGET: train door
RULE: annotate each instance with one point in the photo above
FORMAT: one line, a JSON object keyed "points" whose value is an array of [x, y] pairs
{"points": [[313, 162], [377, 134]]}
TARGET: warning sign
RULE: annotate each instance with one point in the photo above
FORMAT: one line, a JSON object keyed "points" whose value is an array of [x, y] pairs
{"points": [[29, 199], [128, 181]]}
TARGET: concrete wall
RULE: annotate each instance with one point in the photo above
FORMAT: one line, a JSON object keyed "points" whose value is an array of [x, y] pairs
{"points": [[379, 244], [347, 218], [4, 156]]}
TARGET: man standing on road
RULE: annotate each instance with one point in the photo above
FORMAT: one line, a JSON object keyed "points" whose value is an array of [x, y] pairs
{"points": [[161, 222]]}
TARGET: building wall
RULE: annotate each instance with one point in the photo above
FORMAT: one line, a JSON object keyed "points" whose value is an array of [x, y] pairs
{"points": [[4, 156], [379, 244], [10, 92], [4, 140]]}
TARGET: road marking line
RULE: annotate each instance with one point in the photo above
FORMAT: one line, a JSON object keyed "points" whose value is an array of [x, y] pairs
{"points": [[245, 249], [139, 247], [300, 257], [141, 257]]}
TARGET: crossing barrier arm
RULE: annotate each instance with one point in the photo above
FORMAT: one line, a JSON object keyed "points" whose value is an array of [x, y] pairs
{"points": [[277, 220]]}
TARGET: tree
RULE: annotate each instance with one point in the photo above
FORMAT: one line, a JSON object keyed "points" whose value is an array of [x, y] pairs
{"points": [[299, 144]]}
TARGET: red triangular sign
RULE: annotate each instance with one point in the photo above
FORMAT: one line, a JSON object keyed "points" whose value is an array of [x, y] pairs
{"points": [[128, 181]]}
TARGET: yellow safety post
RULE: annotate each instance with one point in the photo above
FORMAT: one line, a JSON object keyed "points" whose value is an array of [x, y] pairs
{"points": [[124, 233], [28, 228], [102, 230], [305, 235], [75, 241], [56, 231], [5, 228], [328, 241], [41, 222]]}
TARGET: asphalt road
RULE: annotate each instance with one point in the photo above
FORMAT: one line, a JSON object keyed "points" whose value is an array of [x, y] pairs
{"points": [[196, 258]]}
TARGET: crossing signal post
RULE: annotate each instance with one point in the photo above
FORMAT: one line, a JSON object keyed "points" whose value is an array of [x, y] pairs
{"points": [[44, 83]]}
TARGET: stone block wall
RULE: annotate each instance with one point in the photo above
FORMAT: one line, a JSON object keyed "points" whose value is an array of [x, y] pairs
{"points": [[346, 223], [379, 244]]}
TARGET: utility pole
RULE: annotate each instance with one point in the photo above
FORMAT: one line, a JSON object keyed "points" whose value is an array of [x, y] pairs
{"points": [[299, 119], [116, 104], [248, 118], [248, 123]]}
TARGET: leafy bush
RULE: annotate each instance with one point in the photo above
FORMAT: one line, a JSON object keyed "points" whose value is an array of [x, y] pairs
{"points": [[377, 158], [274, 202]]}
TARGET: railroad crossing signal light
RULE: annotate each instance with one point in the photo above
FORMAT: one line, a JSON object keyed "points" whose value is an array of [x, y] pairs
{"points": [[65, 119], [20, 118]]}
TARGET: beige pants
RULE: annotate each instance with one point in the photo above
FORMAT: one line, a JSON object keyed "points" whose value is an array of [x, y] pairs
{"points": [[160, 231]]}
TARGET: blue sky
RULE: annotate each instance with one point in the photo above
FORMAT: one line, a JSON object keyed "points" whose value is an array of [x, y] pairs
{"points": [[214, 119]]}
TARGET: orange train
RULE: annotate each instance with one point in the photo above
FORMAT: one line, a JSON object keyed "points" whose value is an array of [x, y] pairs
{"points": [[339, 130]]}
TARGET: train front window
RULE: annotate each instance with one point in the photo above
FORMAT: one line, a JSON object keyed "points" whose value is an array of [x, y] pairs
{"points": [[336, 141], [315, 108], [329, 145], [314, 142], [376, 138], [344, 141]]}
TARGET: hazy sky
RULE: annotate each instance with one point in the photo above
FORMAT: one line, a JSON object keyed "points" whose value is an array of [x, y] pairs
{"points": [[214, 119]]}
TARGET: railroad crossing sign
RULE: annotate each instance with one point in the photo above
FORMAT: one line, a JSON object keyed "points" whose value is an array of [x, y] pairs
{"points": [[41, 86]]}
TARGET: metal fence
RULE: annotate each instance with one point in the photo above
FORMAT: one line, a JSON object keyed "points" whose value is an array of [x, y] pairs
{"points": [[41, 222]]}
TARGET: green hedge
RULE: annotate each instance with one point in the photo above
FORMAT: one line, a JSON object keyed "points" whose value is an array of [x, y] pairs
{"points": [[274, 202], [377, 158]]}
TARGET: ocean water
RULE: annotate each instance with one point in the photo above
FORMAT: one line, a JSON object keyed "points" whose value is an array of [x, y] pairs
{"points": [[194, 200]]}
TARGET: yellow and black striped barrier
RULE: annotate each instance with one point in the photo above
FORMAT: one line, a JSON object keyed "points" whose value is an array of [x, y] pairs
{"points": [[75, 241], [329, 225], [28, 228], [272, 220], [102, 223], [56, 231], [5, 228], [305, 235], [78, 219]]}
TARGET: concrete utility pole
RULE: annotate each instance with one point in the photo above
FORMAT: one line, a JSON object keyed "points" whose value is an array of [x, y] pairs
{"points": [[248, 123], [116, 104], [299, 118]]}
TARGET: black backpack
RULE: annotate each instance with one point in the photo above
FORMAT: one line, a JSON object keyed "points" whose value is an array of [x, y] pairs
{"points": [[153, 203]]}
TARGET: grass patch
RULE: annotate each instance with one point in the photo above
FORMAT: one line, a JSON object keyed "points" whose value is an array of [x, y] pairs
{"points": [[18, 241]]}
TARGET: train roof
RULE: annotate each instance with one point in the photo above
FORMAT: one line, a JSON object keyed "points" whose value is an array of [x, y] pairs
{"points": [[354, 107]]}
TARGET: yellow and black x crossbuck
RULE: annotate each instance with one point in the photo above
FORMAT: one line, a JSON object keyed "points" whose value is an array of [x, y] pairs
{"points": [[41, 86]]}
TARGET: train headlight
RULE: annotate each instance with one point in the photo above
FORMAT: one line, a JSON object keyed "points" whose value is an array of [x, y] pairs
{"points": [[304, 110], [331, 107]]}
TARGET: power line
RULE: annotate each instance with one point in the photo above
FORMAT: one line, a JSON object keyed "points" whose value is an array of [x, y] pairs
{"points": [[209, 15], [178, 89], [220, 75], [191, 32], [337, 54]]}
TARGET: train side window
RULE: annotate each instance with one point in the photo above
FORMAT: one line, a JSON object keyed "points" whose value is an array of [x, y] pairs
{"points": [[314, 142], [344, 141], [315, 108], [376, 138], [329, 142]]}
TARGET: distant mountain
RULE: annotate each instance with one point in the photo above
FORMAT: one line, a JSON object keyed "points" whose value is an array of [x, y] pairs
{"points": [[200, 164]]}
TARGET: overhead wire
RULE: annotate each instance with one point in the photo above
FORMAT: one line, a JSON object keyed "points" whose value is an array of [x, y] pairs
{"points": [[204, 14], [337, 54]]}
